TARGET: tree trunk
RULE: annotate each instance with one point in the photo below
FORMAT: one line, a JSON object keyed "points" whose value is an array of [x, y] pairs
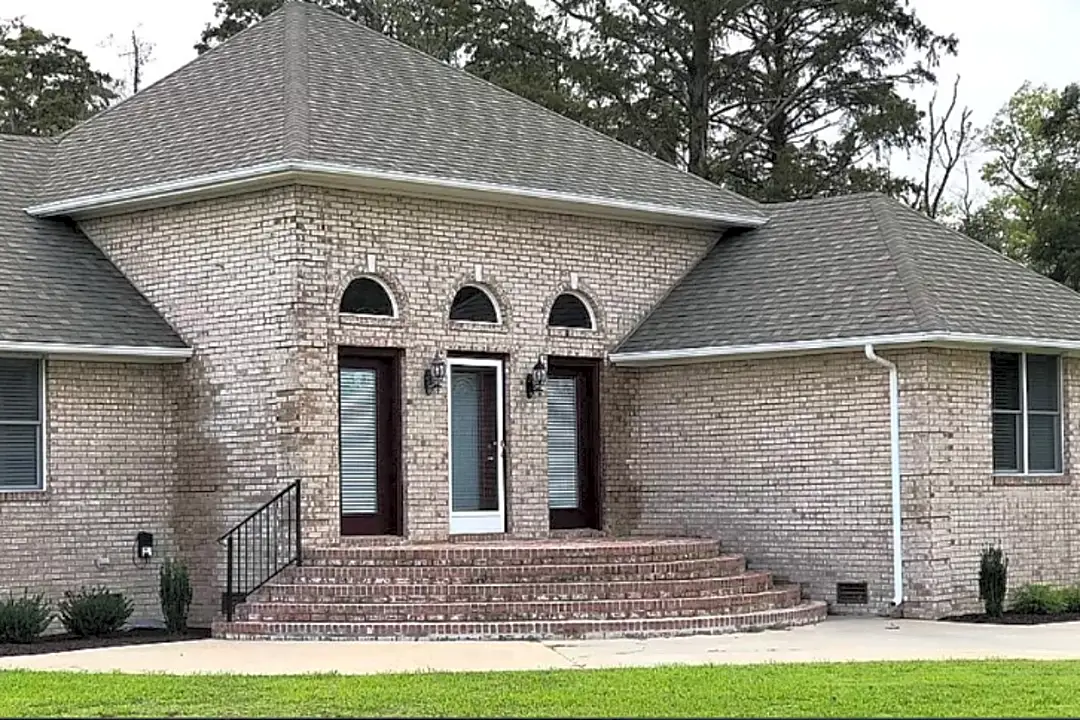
{"points": [[699, 90]]}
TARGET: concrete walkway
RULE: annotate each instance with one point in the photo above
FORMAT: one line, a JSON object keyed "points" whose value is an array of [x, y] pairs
{"points": [[836, 640]]}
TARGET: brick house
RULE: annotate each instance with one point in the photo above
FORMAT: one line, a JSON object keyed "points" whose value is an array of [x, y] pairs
{"points": [[490, 373]]}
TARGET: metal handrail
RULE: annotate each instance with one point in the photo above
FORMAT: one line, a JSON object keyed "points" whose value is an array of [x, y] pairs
{"points": [[262, 545]]}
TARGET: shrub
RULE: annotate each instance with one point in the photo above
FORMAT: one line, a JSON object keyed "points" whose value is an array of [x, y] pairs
{"points": [[1071, 598], [993, 580], [24, 619], [94, 612], [1038, 600], [175, 595]]}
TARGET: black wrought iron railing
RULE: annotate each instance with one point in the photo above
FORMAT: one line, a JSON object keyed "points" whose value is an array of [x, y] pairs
{"points": [[266, 542]]}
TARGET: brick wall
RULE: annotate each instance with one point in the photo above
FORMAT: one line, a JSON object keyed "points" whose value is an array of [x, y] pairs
{"points": [[425, 251], [956, 505], [111, 474], [787, 460], [222, 272], [253, 284]]}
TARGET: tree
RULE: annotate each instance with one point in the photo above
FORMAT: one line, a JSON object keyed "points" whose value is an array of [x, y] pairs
{"points": [[46, 86], [1034, 214], [817, 105], [948, 143], [138, 52]]}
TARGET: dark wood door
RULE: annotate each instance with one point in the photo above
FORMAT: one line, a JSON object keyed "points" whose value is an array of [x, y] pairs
{"points": [[573, 443], [369, 422]]}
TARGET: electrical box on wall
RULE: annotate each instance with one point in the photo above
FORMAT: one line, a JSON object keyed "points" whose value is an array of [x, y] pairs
{"points": [[144, 545]]}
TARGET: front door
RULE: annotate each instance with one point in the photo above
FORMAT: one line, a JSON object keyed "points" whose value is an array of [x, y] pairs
{"points": [[369, 440], [477, 495], [573, 443]]}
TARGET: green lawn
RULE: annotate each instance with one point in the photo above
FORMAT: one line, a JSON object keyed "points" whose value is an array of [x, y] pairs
{"points": [[882, 689]]}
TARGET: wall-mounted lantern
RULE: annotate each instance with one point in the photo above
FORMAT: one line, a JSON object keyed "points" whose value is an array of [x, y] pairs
{"points": [[536, 379], [435, 374]]}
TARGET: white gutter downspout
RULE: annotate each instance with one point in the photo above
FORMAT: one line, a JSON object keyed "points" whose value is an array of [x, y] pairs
{"points": [[894, 437]]}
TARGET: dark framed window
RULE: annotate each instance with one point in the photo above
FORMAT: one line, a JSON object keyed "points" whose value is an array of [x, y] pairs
{"points": [[367, 296], [474, 304], [21, 424], [1026, 401], [570, 311]]}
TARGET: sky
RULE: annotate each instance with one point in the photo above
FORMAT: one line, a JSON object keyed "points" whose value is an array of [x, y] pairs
{"points": [[1003, 43]]}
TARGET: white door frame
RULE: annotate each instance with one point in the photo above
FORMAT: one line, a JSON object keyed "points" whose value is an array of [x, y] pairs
{"points": [[480, 521]]}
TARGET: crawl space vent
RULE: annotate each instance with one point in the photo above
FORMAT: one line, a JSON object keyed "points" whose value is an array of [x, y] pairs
{"points": [[852, 594]]}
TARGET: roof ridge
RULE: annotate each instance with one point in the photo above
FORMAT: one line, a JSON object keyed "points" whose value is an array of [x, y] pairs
{"points": [[753, 204], [918, 295], [296, 140]]}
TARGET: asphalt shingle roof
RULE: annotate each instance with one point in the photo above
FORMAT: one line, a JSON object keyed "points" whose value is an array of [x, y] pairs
{"points": [[307, 85], [55, 286], [853, 267]]}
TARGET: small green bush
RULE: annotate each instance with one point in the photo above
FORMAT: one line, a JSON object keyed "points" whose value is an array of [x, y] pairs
{"points": [[1071, 597], [94, 612], [993, 580], [175, 595], [24, 619], [1036, 599]]}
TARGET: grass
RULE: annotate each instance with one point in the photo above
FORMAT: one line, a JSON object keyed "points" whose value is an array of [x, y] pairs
{"points": [[971, 689]]}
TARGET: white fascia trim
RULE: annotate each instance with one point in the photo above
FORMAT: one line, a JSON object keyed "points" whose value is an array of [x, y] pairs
{"points": [[290, 170], [657, 357], [111, 352]]}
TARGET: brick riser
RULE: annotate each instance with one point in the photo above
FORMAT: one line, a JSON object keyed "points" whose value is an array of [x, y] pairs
{"points": [[501, 554], [552, 589], [804, 614], [751, 582], [722, 566], [515, 611]]}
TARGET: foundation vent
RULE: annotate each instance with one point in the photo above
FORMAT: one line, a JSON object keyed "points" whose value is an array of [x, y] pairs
{"points": [[848, 593]]}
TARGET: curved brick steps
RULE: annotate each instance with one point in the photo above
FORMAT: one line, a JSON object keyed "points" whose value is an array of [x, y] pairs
{"points": [[518, 611], [804, 614], [519, 589], [748, 582]]}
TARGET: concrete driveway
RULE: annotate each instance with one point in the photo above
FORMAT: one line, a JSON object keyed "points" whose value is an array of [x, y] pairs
{"points": [[836, 640]]}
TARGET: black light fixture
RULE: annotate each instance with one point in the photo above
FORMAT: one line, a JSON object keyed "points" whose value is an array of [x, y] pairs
{"points": [[536, 379], [435, 374]]}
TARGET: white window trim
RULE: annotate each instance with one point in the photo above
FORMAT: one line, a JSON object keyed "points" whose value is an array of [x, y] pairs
{"points": [[394, 311], [480, 323], [588, 308], [43, 428], [1025, 470]]}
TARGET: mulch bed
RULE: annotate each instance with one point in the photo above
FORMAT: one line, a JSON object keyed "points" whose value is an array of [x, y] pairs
{"points": [[65, 642], [1014, 618]]}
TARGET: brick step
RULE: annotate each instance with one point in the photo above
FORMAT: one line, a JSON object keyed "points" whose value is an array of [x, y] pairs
{"points": [[519, 611], [593, 552], [749, 582], [721, 566], [805, 613]]}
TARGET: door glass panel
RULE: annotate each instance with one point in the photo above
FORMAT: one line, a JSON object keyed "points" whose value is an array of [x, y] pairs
{"points": [[359, 442], [562, 443], [474, 439]]}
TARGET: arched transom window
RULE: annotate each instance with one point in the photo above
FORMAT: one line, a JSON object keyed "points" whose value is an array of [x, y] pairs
{"points": [[368, 296], [474, 304], [571, 311]]}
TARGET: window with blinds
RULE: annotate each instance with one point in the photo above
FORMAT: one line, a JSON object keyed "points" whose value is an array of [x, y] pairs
{"points": [[1026, 401], [21, 429], [359, 442], [562, 443]]}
